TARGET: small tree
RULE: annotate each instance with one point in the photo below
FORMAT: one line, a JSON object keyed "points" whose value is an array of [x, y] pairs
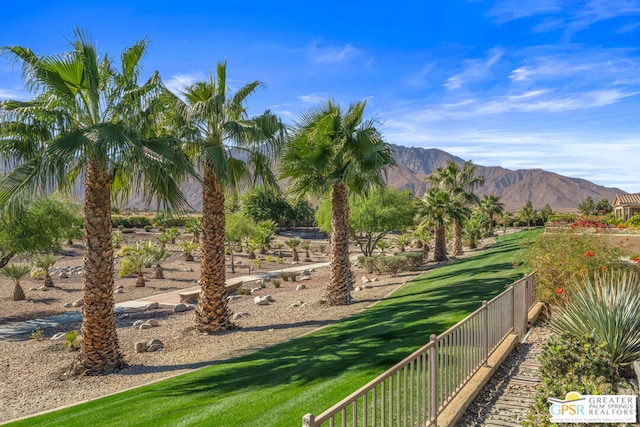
{"points": [[163, 239], [16, 272], [588, 207], [279, 247], [293, 243], [172, 234], [383, 245], [237, 228], [194, 225], [44, 263], [136, 259], [158, 254], [306, 246], [188, 246], [402, 241]]}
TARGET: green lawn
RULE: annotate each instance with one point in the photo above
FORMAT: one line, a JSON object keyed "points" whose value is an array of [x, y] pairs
{"points": [[278, 385]]}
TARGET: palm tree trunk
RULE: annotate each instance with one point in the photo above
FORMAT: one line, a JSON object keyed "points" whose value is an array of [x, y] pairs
{"points": [[48, 281], [213, 313], [159, 272], [440, 249], [341, 279], [233, 267], [99, 349], [18, 292], [295, 258], [140, 280], [457, 238]]}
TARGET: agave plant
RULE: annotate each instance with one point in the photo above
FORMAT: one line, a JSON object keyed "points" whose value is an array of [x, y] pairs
{"points": [[606, 305]]}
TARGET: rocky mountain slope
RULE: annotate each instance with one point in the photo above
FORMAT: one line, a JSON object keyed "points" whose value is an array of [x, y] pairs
{"points": [[514, 187]]}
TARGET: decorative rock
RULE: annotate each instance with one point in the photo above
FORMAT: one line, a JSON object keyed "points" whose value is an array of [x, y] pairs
{"points": [[304, 278], [63, 275], [232, 297], [59, 336], [269, 298], [365, 279], [255, 290], [300, 287], [156, 341], [375, 279], [306, 272], [43, 288], [155, 347], [236, 316], [357, 289], [119, 287], [145, 326], [297, 304], [119, 291], [261, 300], [77, 303], [137, 323], [179, 308], [33, 289], [294, 262], [152, 306], [68, 305], [140, 346], [153, 322]]}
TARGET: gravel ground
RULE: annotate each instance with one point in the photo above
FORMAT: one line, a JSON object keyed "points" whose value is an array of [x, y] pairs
{"points": [[30, 371]]}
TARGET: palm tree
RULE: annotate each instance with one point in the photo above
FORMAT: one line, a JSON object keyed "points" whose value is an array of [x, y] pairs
{"points": [[188, 246], [493, 207], [16, 272], [460, 183], [306, 246], [293, 243], [402, 241], [136, 259], [228, 147], [44, 263], [441, 210], [157, 254], [91, 122], [336, 152]]}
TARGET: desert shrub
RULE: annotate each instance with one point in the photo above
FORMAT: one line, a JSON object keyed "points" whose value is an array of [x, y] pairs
{"points": [[391, 264], [415, 259], [276, 283], [569, 363], [284, 276], [125, 230], [634, 221], [607, 306], [71, 341], [37, 334], [244, 291], [368, 263], [148, 228], [559, 258]]}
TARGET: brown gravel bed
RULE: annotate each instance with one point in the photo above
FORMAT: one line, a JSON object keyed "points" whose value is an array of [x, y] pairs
{"points": [[30, 370]]}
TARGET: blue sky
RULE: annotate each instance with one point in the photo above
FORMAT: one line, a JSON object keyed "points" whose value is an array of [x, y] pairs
{"points": [[521, 84]]}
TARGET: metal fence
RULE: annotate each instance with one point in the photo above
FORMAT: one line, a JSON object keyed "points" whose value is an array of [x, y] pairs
{"points": [[417, 389]]}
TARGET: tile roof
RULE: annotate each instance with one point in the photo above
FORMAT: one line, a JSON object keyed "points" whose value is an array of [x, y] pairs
{"points": [[627, 199]]}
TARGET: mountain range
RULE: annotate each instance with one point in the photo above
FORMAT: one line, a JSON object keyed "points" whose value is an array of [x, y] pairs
{"points": [[513, 187]]}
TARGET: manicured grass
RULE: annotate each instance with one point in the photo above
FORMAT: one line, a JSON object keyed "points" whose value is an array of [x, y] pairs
{"points": [[278, 385]]}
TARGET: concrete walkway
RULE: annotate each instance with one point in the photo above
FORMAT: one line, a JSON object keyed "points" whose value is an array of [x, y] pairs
{"points": [[13, 331]]}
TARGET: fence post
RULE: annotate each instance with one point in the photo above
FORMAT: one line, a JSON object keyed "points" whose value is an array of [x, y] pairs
{"points": [[485, 333], [433, 381], [308, 420]]}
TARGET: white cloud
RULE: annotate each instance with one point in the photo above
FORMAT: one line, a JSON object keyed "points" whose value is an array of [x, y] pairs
{"points": [[14, 94], [333, 54], [178, 82], [313, 98], [474, 70], [509, 10]]}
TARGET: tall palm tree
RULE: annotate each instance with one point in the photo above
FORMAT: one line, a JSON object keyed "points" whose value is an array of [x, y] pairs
{"points": [[90, 122], [228, 147], [337, 152], [460, 183], [442, 209], [493, 207]]}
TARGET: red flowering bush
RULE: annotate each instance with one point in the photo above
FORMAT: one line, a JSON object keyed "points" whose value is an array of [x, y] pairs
{"points": [[559, 258]]}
